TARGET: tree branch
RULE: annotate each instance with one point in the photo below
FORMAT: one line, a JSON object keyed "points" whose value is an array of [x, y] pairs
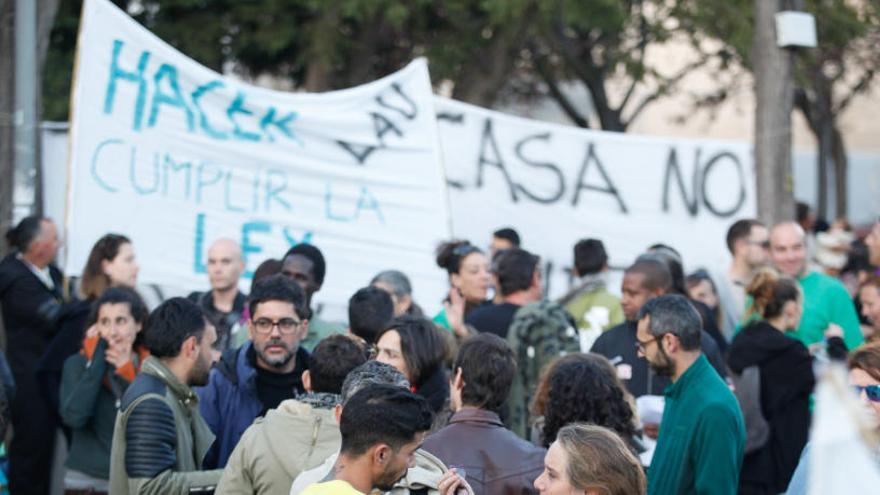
{"points": [[642, 46], [563, 101], [664, 88], [861, 86]]}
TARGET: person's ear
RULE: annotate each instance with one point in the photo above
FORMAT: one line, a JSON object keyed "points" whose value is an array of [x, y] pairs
{"points": [[303, 330], [337, 412], [458, 380], [382, 455], [455, 280], [307, 381], [739, 245], [104, 264], [250, 329], [191, 347]]}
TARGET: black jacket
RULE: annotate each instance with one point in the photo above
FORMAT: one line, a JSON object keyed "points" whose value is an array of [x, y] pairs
{"points": [[67, 342], [786, 384], [618, 344], [223, 322], [30, 312], [435, 389]]}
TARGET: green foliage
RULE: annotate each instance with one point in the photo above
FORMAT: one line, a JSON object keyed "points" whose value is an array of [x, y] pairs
{"points": [[486, 48]]}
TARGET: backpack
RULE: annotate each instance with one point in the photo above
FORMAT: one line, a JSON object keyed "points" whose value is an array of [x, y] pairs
{"points": [[747, 389], [539, 333]]}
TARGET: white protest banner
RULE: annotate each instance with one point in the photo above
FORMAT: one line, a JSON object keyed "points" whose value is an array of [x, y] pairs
{"points": [[175, 155], [556, 184]]}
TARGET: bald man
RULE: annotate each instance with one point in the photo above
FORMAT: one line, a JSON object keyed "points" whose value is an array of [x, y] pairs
{"points": [[224, 303], [827, 303]]}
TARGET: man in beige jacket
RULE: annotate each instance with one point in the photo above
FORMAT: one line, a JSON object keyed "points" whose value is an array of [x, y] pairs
{"points": [[301, 432]]}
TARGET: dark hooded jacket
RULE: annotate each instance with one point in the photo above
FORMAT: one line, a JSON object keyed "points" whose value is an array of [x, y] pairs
{"points": [[787, 380], [230, 402], [30, 312]]}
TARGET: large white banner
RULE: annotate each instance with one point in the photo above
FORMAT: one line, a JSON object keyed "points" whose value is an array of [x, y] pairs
{"points": [[557, 184], [175, 155]]}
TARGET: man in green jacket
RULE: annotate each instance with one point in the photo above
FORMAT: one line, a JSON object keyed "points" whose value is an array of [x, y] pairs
{"points": [[702, 434], [826, 300], [160, 439], [593, 307]]}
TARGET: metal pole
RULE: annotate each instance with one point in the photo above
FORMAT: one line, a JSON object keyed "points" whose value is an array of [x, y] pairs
{"points": [[25, 114]]}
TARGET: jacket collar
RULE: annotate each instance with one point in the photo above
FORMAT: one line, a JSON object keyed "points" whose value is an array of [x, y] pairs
{"points": [[471, 415], [698, 369], [245, 369], [183, 393]]}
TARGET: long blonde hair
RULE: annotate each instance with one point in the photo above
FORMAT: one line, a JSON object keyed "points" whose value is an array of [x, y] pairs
{"points": [[598, 459]]}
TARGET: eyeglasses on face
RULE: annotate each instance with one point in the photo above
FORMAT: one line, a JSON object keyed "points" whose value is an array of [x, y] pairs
{"points": [[872, 392], [761, 244], [642, 344], [285, 325]]}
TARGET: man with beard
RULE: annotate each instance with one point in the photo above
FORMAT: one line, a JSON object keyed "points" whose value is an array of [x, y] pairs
{"points": [[749, 246], [160, 439], [382, 427], [646, 279], [702, 435], [264, 371]]}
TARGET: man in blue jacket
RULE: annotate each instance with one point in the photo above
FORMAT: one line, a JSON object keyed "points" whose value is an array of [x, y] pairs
{"points": [[266, 370]]}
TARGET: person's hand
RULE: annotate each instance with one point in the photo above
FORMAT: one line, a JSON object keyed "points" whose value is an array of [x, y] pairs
{"points": [[455, 312], [452, 484], [651, 431], [117, 355], [833, 330]]}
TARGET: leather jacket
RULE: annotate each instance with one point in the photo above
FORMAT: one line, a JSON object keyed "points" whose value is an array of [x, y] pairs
{"points": [[495, 459]]}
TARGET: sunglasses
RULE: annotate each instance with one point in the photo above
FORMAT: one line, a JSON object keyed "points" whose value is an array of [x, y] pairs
{"points": [[872, 392], [464, 250]]}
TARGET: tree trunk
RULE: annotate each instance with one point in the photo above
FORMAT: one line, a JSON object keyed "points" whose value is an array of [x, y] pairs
{"points": [[7, 131], [318, 71], [496, 63], [774, 91], [823, 136], [841, 170]]}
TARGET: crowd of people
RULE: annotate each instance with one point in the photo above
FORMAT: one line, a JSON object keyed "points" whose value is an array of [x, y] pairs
{"points": [[695, 382]]}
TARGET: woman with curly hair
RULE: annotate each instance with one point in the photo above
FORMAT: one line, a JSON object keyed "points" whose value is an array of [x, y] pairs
{"points": [[587, 390]]}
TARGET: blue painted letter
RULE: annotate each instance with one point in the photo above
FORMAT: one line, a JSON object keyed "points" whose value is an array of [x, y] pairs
{"points": [[175, 99], [203, 118], [137, 77]]}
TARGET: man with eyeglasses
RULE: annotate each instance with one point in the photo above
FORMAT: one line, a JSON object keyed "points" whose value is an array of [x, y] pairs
{"points": [[749, 245], [702, 434], [263, 372]]}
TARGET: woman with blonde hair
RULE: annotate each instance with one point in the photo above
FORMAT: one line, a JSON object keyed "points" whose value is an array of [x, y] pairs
{"points": [[590, 460]]}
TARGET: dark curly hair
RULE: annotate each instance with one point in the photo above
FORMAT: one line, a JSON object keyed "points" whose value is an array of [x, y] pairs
{"points": [[587, 390]]}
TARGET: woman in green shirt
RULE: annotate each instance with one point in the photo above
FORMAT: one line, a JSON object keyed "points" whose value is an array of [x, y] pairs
{"points": [[469, 280]]}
